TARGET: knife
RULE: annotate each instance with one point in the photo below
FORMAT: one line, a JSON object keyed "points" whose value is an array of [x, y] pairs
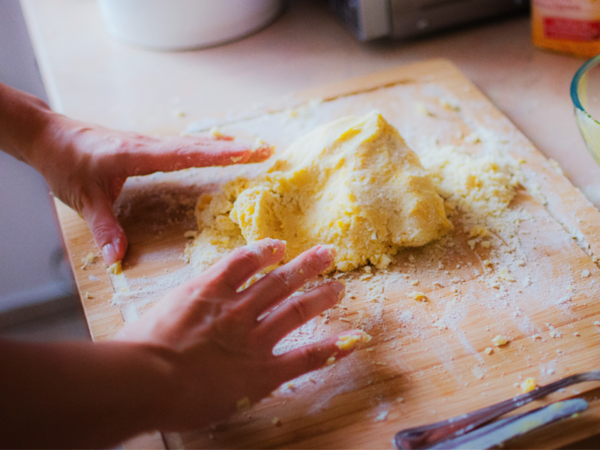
{"points": [[425, 436], [496, 433]]}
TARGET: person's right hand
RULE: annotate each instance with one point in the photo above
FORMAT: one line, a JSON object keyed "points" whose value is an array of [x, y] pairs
{"points": [[215, 349], [86, 166]]}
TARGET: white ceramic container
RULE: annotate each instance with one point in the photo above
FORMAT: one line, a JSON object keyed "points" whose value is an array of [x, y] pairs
{"points": [[186, 24]]}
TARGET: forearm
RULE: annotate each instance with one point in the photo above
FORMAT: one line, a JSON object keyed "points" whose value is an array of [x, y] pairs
{"points": [[79, 395], [23, 119]]}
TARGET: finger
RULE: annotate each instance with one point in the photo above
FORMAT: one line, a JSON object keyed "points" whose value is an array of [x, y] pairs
{"points": [[284, 281], [312, 357], [237, 267], [107, 231], [182, 152], [298, 310]]}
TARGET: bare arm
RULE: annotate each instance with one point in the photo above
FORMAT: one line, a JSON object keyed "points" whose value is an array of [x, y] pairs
{"points": [[185, 364], [78, 395], [190, 358], [86, 165]]}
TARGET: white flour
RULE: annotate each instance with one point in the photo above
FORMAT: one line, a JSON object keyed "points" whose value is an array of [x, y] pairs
{"points": [[503, 278]]}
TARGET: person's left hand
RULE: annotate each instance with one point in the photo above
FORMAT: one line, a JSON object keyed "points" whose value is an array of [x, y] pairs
{"points": [[86, 167], [215, 342]]}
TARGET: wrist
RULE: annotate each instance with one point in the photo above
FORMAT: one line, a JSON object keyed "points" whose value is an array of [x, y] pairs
{"points": [[23, 118], [48, 139], [152, 371]]}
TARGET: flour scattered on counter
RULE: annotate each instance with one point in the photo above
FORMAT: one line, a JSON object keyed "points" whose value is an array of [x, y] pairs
{"points": [[406, 316], [489, 271], [382, 416], [478, 372]]}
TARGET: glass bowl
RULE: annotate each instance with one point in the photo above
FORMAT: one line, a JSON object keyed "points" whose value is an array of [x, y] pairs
{"points": [[585, 94]]}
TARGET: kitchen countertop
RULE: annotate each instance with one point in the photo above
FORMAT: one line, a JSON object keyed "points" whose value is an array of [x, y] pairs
{"points": [[90, 76]]}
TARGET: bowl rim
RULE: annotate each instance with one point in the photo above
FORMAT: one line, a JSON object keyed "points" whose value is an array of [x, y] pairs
{"points": [[577, 78]]}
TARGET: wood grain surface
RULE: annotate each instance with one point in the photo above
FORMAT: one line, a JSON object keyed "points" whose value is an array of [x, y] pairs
{"points": [[438, 372]]}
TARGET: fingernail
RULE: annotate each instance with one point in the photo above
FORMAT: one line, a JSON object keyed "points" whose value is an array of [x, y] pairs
{"points": [[326, 254], [274, 244], [109, 253]]}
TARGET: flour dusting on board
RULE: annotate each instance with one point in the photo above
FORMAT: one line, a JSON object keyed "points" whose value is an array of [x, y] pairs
{"points": [[506, 266], [478, 188]]}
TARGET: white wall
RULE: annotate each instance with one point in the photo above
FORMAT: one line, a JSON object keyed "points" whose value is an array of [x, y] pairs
{"points": [[32, 266]]}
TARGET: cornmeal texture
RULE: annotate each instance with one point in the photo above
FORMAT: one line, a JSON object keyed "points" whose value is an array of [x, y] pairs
{"points": [[353, 183]]}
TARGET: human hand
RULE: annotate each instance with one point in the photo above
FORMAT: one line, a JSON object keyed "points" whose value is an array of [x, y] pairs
{"points": [[86, 167], [216, 349]]}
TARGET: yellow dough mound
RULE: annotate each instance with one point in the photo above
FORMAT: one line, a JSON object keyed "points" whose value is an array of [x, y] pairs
{"points": [[353, 183]]}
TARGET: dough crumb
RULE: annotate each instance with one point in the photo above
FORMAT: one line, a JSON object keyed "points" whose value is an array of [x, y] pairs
{"points": [[450, 106], [348, 341], [441, 325], [216, 133], [479, 231], [422, 109], [418, 296], [115, 268], [505, 274], [500, 340], [88, 261], [528, 385]]}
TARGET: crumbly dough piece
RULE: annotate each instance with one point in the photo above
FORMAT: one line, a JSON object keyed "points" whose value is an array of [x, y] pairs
{"points": [[353, 183], [218, 234], [481, 186]]}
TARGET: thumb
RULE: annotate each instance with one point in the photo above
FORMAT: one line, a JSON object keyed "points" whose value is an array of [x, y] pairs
{"points": [[107, 231]]}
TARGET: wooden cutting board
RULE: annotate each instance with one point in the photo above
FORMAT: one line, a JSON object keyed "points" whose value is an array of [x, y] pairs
{"points": [[414, 371]]}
